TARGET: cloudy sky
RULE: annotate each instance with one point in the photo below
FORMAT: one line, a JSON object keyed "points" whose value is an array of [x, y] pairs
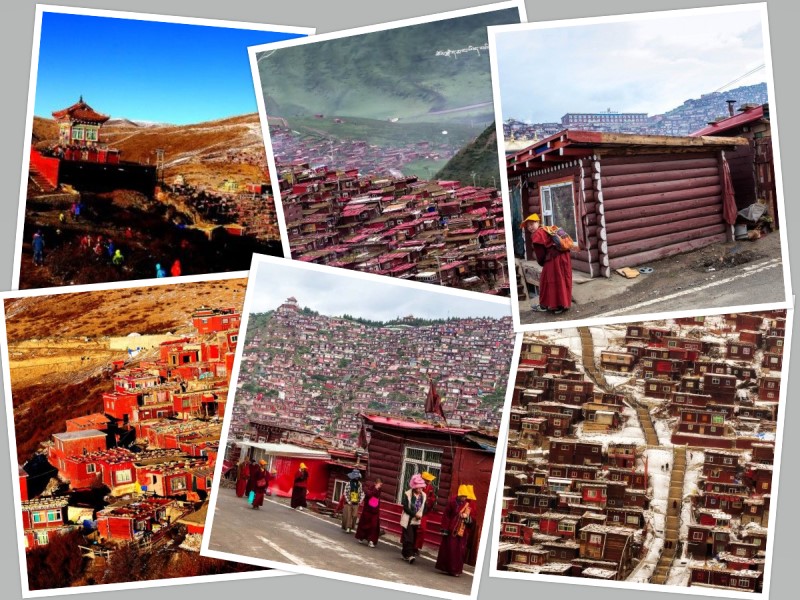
{"points": [[647, 66], [338, 292]]}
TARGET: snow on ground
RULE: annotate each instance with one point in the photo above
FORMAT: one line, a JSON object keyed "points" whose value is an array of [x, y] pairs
{"points": [[656, 461], [663, 431], [192, 542]]}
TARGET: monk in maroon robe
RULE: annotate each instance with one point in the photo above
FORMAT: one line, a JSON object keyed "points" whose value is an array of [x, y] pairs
{"points": [[456, 521], [369, 523], [300, 488], [243, 479], [261, 479], [555, 280]]}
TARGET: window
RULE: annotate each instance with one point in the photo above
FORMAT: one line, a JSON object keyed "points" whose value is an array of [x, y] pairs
{"points": [[417, 460], [741, 552], [91, 134], [745, 583], [38, 517], [715, 380], [632, 520], [338, 489], [697, 536], [91, 468], [595, 539], [566, 526], [53, 515], [562, 387], [77, 133], [543, 502], [509, 528], [123, 476], [178, 484], [41, 538], [558, 207]]}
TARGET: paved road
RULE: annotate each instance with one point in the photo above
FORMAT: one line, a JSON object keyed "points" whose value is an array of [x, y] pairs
{"points": [[677, 283], [277, 533]]}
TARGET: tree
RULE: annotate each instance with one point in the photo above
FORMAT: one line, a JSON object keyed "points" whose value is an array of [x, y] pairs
{"points": [[58, 564]]}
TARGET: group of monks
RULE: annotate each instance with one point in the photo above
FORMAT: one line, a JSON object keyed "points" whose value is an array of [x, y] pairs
{"points": [[419, 503]]}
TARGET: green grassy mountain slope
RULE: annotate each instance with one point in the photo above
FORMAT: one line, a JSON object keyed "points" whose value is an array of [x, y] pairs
{"points": [[408, 73], [479, 157]]}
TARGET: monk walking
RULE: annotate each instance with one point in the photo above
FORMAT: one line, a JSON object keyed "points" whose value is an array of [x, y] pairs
{"points": [[413, 506], [260, 479], [369, 525], [456, 522], [351, 497], [300, 489], [242, 479]]}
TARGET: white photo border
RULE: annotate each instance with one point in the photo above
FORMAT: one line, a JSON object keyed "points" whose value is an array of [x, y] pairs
{"points": [[258, 261], [41, 9], [262, 110], [496, 30], [674, 589], [12, 438]]}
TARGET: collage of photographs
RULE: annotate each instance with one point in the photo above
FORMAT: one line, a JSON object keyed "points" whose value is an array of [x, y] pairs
{"points": [[373, 305]]}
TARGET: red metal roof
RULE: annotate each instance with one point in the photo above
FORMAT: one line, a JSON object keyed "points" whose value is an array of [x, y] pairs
{"points": [[80, 111], [403, 424], [572, 144], [748, 115]]}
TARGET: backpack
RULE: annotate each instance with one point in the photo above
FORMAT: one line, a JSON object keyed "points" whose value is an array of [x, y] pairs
{"points": [[561, 239]]}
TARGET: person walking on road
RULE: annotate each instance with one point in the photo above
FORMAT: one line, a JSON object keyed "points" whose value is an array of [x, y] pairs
{"points": [[369, 525], [430, 505], [352, 496], [261, 479], [243, 479], [300, 489], [456, 521], [413, 507]]}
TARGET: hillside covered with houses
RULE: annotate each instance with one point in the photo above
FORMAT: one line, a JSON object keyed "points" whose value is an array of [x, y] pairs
{"points": [[318, 373], [130, 484], [645, 452]]}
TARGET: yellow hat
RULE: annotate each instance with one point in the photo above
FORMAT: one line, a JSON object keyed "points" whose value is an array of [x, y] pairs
{"points": [[463, 490], [428, 476], [530, 217], [303, 465], [471, 492]]}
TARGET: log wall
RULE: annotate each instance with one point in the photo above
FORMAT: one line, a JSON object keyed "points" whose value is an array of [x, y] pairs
{"points": [[660, 205], [386, 452]]}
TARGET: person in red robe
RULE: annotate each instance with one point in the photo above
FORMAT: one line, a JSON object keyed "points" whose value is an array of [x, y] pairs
{"points": [[300, 488], [369, 524], [430, 506], [242, 479], [456, 521], [251, 468], [555, 280], [261, 479]]}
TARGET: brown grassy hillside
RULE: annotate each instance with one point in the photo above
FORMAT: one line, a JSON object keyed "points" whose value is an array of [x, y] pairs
{"points": [[58, 348], [204, 153]]}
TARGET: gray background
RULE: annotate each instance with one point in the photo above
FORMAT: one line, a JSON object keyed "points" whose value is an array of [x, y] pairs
{"points": [[16, 26]]}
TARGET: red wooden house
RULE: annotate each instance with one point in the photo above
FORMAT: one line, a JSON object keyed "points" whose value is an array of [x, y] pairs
{"points": [[720, 577], [398, 449], [23, 483], [43, 517], [210, 320], [132, 520], [74, 443], [740, 350], [772, 361], [608, 543], [617, 194]]}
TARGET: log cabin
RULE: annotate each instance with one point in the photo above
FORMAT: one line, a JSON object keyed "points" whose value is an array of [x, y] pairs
{"points": [[628, 199]]}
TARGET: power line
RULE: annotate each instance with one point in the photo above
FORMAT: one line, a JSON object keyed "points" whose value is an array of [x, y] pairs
{"points": [[750, 72]]}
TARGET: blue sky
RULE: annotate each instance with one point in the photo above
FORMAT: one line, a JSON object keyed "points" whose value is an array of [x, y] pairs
{"points": [[146, 70], [650, 65]]}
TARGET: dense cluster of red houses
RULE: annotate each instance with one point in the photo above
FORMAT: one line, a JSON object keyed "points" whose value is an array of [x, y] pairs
{"points": [[153, 447], [437, 232], [577, 507]]}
